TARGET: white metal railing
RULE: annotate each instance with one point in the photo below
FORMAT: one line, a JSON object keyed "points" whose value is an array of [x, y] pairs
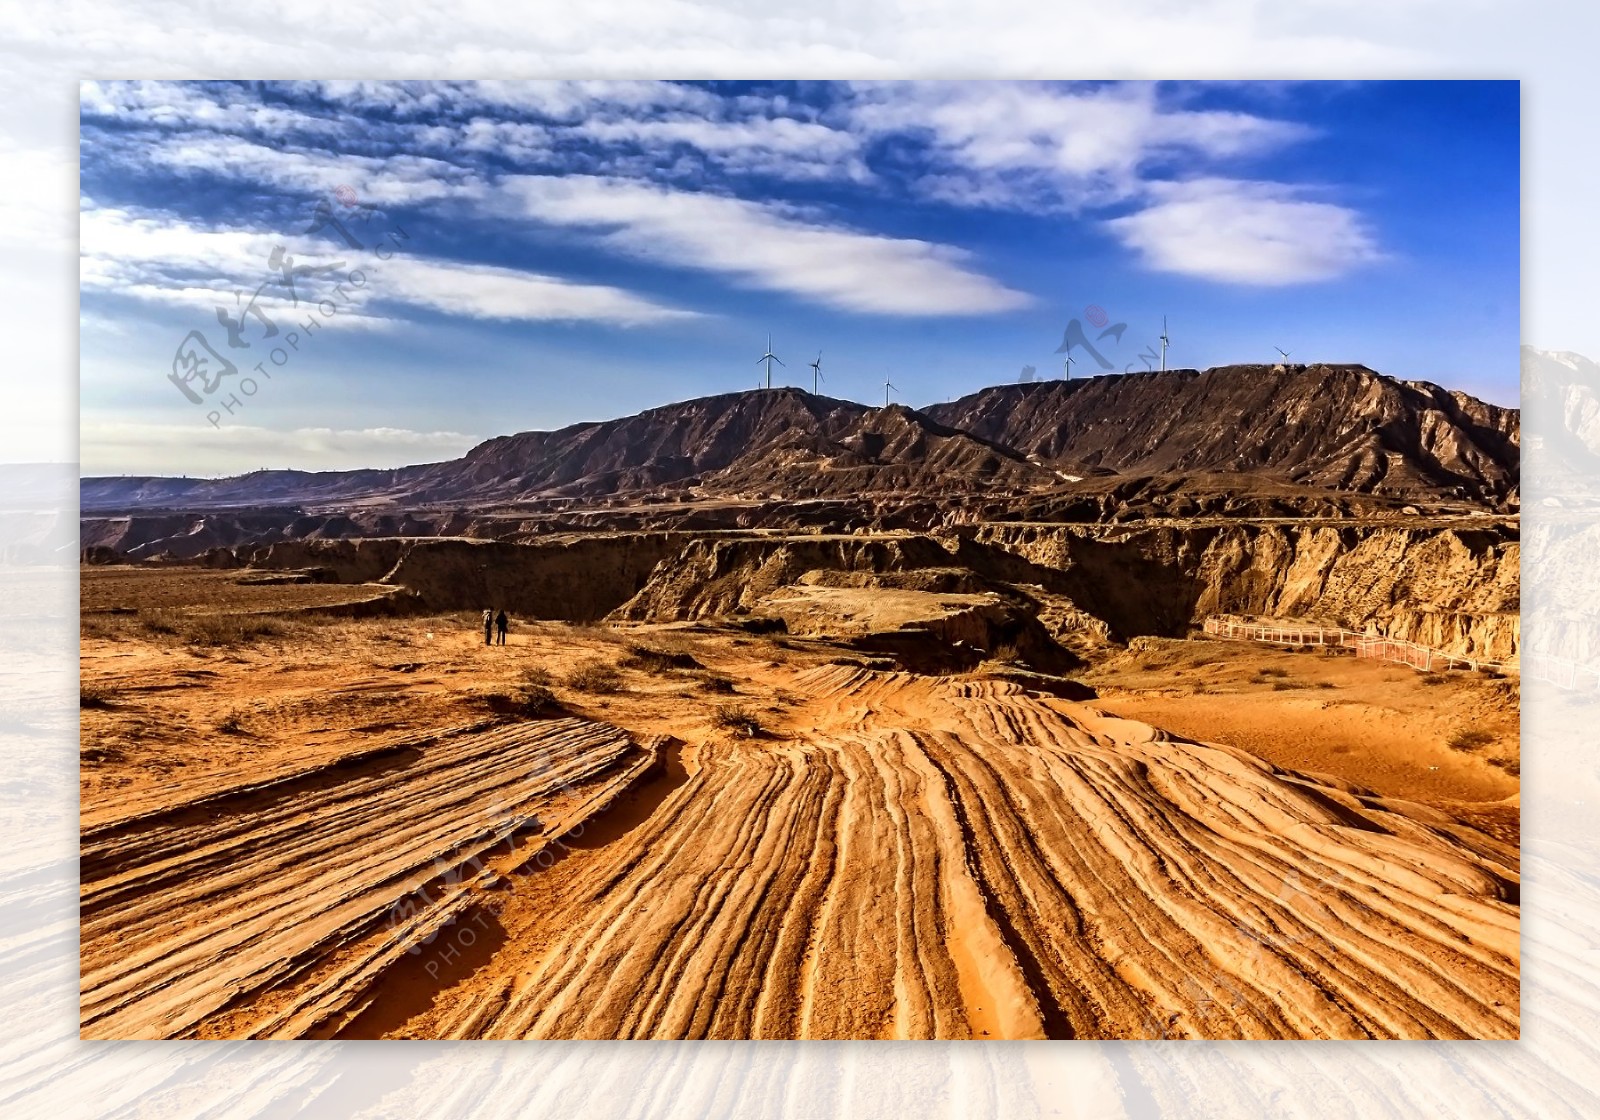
{"points": [[1290, 633]]}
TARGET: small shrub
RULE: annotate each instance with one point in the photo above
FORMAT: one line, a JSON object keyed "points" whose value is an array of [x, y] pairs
{"points": [[93, 696], [1005, 653], [156, 623], [738, 719], [1284, 686], [1490, 675], [536, 700], [1326, 684], [1469, 739], [1272, 671], [537, 676], [713, 682], [594, 676], [230, 629], [1434, 678], [657, 660], [213, 629], [1509, 765], [232, 723]]}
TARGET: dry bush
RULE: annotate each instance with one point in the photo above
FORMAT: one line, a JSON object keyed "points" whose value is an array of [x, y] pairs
{"points": [[1326, 684], [715, 682], [537, 675], [1272, 671], [536, 700], [230, 629], [1434, 678], [738, 719], [1284, 686], [1489, 675], [232, 723], [594, 676], [652, 660], [1469, 739], [213, 629], [93, 696], [158, 622], [1509, 765], [1005, 653]]}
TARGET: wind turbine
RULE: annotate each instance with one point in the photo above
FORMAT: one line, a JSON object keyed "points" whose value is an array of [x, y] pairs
{"points": [[769, 357], [816, 373], [1066, 367], [1284, 353], [887, 385], [1164, 341]]}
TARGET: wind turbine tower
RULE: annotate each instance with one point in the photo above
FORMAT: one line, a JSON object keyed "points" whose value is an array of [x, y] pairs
{"points": [[1283, 356], [1066, 366], [816, 373], [1164, 341], [769, 357], [887, 385]]}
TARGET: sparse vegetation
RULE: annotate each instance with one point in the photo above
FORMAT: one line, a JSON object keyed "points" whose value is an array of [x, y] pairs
{"points": [[93, 696], [1434, 678], [715, 682], [536, 699], [738, 719], [1469, 739], [1509, 765], [204, 630], [1005, 653], [1284, 686], [1272, 671], [594, 676], [232, 723], [652, 660], [1326, 684]]}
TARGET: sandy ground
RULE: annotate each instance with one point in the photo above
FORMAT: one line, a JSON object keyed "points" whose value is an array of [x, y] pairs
{"points": [[361, 829], [1385, 727]]}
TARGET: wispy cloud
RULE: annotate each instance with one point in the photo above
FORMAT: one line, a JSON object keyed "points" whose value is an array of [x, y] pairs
{"points": [[665, 171], [767, 246], [1246, 233], [1047, 146], [160, 258]]}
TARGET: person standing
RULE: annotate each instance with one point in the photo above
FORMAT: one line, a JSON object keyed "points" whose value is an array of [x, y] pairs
{"points": [[501, 622], [488, 627]]}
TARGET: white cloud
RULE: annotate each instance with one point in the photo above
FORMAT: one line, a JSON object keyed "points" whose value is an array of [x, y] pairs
{"points": [[130, 447], [183, 106], [485, 292], [158, 258], [1037, 146], [397, 180], [765, 145], [1246, 233], [767, 246]]}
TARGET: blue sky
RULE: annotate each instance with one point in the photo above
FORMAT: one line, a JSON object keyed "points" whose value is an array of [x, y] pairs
{"points": [[581, 250]]}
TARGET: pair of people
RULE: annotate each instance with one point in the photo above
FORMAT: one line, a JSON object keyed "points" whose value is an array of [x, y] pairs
{"points": [[493, 622]]}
